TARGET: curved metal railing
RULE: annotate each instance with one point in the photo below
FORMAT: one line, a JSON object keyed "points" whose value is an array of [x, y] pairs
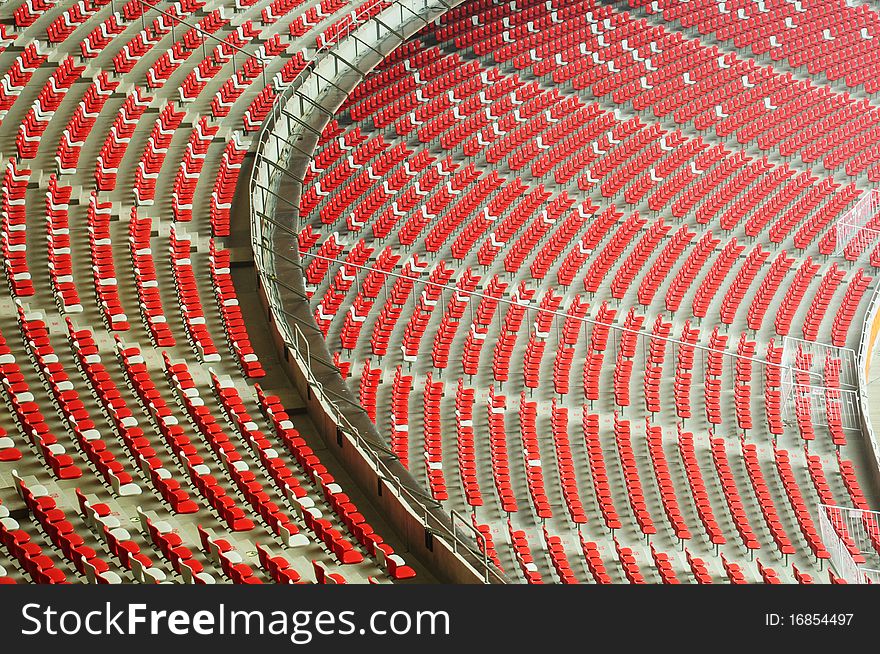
{"points": [[289, 133]]}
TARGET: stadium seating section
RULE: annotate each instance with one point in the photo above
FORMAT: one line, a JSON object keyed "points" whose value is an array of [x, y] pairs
{"points": [[557, 250]]}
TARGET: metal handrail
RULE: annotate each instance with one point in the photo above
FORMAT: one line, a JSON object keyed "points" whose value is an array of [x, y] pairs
{"points": [[872, 199], [481, 539]]}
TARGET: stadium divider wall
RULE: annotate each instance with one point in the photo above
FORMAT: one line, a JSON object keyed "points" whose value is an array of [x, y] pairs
{"points": [[867, 342]]}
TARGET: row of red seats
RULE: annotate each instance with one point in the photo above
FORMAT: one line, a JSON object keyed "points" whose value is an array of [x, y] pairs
{"points": [[209, 488], [19, 74], [103, 268], [197, 79], [331, 146], [627, 560], [541, 223], [664, 566], [127, 426], [855, 289], [830, 281], [684, 364], [58, 248], [116, 142], [40, 567], [486, 544], [523, 554], [231, 315], [153, 156], [354, 521], [116, 539], [401, 388], [496, 407], [598, 471], [476, 335], [594, 561], [225, 184], [104, 32], [565, 463], [433, 78], [29, 418], [79, 127], [370, 379], [851, 483], [465, 444], [654, 366], [186, 288], [229, 458], [13, 234], [528, 416], [433, 447], [36, 120], [560, 239], [60, 532], [146, 280], [698, 568], [577, 256]]}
